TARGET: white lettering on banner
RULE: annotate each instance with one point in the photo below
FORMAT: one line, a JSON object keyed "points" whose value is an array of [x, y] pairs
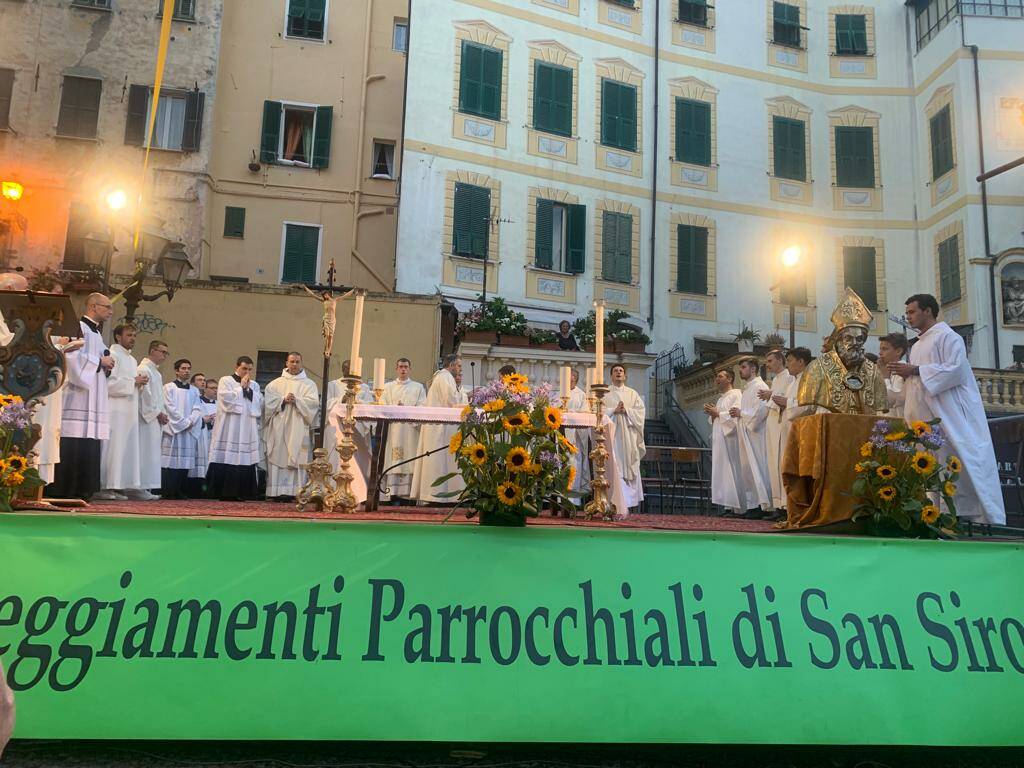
{"points": [[469, 275], [479, 130], [615, 160], [550, 146], [550, 286], [853, 68]]}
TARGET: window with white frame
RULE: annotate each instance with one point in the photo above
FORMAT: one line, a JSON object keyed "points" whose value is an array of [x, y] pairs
{"points": [[383, 159], [306, 19], [297, 125], [400, 37]]}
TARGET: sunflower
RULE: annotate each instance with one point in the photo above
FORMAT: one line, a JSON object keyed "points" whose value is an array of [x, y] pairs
{"points": [[923, 463], [566, 443], [892, 437], [572, 479], [929, 514], [17, 463], [886, 472], [516, 421], [859, 467], [865, 450], [3, 465], [455, 443], [921, 428], [465, 412], [518, 460], [887, 493], [954, 465], [949, 488], [535, 469], [15, 478], [510, 493], [516, 383], [492, 406], [552, 417], [477, 453]]}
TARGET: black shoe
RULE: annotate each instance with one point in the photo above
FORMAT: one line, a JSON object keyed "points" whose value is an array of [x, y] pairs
{"points": [[752, 514]]}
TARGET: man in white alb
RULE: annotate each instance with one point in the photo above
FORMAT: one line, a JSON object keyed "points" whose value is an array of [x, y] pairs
{"points": [[580, 438], [752, 413], [290, 406], [403, 439], [207, 411], [235, 442], [726, 483], [626, 409], [120, 472], [775, 399], [179, 443], [152, 417], [891, 349], [443, 393]]}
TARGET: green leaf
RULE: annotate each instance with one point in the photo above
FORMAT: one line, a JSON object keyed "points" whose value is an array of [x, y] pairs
{"points": [[443, 479], [448, 494]]}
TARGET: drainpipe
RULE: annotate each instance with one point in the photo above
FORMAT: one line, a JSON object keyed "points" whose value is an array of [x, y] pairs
{"points": [[654, 175], [984, 209], [357, 195]]}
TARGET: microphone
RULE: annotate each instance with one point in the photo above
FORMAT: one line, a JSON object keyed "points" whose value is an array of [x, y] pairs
{"points": [[472, 369]]}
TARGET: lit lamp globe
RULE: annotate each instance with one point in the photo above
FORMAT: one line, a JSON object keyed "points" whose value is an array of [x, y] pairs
{"points": [[11, 190], [791, 256], [116, 199]]}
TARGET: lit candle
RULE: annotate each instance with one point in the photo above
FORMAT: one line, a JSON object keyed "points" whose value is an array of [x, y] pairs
{"points": [[378, 372], [590, 379], [565, 376], [599, 341], [357, 335]]}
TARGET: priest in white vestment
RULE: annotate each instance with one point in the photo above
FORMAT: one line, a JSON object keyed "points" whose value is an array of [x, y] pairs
{"points": [[443, 393], [120, 472], [207, 413], [580, 438], [891, 349], [235, 442], [626, 409], [85, 410], [752, 414], [775, 400], [939, 383], [152, 417], [180, 434], [290, 407], [726, 483], [403, 439]]}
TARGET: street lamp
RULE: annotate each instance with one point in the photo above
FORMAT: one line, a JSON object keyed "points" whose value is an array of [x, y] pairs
{"points": [[97, 251], [172, 265], [116, 199], [11, 190], [791, 257]]}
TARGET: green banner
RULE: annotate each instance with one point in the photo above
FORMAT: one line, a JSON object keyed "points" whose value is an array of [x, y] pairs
{"points": [[164, 628]]}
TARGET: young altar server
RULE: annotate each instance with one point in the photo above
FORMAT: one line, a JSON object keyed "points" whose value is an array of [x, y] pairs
{"points": [[775, 400], [626, 409], [85, 410], [797, 360], [939, 383], [235, 442], [120, 473], [752, 413], [580, 438], [179, 443], [290, 406], [403, 439], [891, 349], [726, 483], [196, 483], [443, 393], [152, 416]]}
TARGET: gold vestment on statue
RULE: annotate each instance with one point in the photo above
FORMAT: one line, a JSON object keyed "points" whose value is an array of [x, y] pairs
{"points": [[827, 384]]}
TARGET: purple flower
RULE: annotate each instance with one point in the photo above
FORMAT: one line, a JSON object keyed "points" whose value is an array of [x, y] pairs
{"points": [[15, 416], [550, 460]]}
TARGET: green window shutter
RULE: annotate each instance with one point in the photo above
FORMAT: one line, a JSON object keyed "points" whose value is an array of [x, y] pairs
{"points": [[306, 18], [786, 26], [851, 34], [79, 107], [300, 252], [135, 125], [543, 240], [322, 136], [617, 247], [552, 99], [692, 266], [949, 270], [577, 239], [855, 157], [942, 143], [234, 222], [859, 273], [6, 91], [271, 135], [490, 95], [480, 81], [694, 12], [480, 226], [696, 131], [788, 137], [618, 115], [471, 220], [192, 134]]}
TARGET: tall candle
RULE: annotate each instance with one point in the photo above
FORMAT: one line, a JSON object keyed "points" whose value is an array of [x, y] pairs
{"points": [[599, 342], [590, 379], [378, 372], [356, 367], [565, 376], [357, 335]]}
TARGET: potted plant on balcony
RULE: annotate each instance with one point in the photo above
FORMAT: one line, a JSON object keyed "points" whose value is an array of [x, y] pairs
{"points": [[775, 340], [622, 337], [493, 322], [542, 339], [583, 329], [746, 338]]}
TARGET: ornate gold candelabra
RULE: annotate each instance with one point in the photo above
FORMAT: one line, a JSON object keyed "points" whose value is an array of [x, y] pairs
{"points": [[599, 506], [342, 496], [320, 485]]}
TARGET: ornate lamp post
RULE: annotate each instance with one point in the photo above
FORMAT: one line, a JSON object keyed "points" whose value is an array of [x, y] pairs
{"points": [[791, 261], [97, 251], [172, 265]]}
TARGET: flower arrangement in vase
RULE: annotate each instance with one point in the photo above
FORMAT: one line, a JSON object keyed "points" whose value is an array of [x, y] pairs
{"points": [[16, 436]]}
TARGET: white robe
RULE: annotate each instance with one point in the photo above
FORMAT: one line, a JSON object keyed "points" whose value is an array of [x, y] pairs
{"points": [[151, 405], [442, 394], [206, 408], [236, 436], [403, 439], [946, 389], [775, 428], [180, 434], [286, 429], [725, 454], [119, 465], [896, 395], [756, 488], [628, 445], [793, 408], [580, 438], [84, 403]]}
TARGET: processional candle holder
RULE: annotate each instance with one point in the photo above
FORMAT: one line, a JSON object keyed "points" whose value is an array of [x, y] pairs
{"points": [[600, 506], [343, 497], [320, 484]]}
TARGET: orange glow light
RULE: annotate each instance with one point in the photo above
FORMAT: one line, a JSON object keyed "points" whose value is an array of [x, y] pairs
{"points": [[12, 190]]}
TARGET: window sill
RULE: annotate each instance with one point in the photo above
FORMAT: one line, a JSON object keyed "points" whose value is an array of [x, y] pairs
{"points": [[694, 24], [89, 139], [83, 7], [292, 164], [788, 46], [317, 40], [382, 177], [182, 19], [843, 55]]}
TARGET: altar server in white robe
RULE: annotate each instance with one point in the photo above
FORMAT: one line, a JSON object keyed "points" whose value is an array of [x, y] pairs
{"points": [[403, 439], [752, 414], [726, 482], [626, 409], [85, 410], [939, 383], [152, 417], [580, 438], [775, 400], [797, 360], [290, 406], [443, 393], [207, 414], [180, 439], [120, 473], [235, 442], [891, 349]]}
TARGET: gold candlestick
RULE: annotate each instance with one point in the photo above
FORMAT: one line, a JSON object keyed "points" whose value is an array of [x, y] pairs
{"points": [[565, 402], [377, 395], [320, 485], [342, 496], [599, 506]]}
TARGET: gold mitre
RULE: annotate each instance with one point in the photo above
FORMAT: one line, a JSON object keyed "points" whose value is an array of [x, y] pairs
{"points": [[851, 311]]}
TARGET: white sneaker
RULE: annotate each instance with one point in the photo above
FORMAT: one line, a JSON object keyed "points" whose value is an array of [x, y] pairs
{"points": [[106, 496], [142, 494]]}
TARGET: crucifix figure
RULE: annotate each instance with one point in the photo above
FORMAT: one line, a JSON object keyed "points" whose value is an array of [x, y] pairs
{"points": [[330, 302]]}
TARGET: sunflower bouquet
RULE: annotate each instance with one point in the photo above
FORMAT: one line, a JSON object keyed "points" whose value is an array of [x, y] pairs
{"points": [[16, 470], [511, 454], [900, 479]]}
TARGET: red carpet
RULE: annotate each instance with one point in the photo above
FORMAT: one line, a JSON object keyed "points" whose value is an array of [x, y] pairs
{"points": [[269, 510]]}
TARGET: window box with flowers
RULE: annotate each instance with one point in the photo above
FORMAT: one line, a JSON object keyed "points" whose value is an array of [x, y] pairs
{"points": [[493, 322], [619, 337]]}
